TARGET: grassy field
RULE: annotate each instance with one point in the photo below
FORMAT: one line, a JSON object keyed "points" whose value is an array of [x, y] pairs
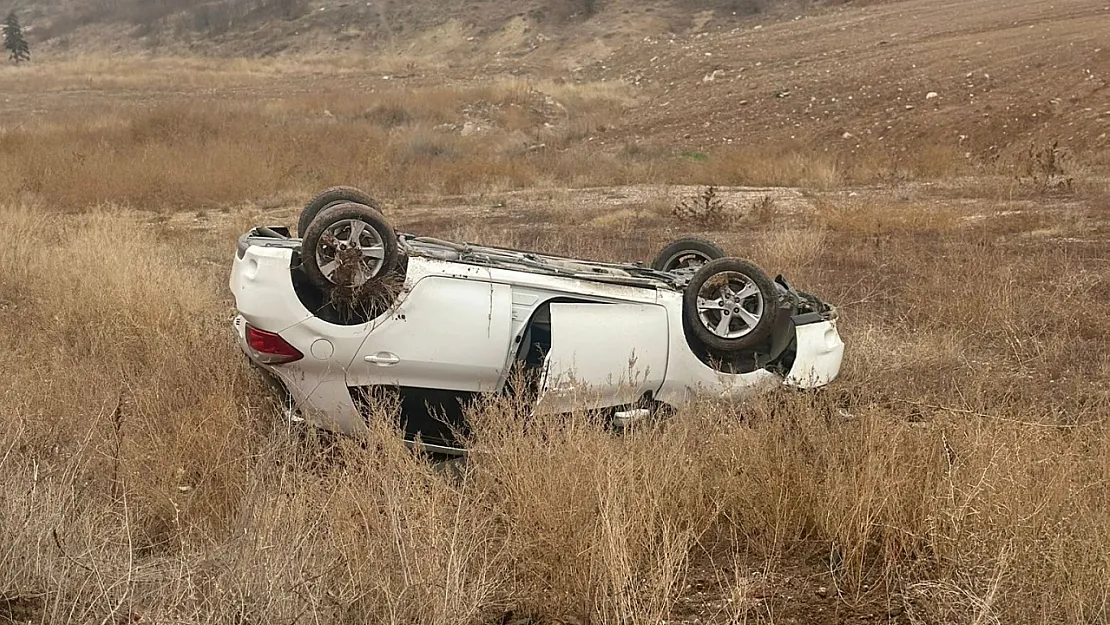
{"points": [[174, 134], [958, 472]]}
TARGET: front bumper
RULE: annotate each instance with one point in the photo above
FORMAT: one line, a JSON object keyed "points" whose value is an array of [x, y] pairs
{"points": [[818, 356]]}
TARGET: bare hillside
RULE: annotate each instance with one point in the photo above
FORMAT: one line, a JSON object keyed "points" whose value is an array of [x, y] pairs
{"points": [[917, 80], [903, 88], [264, 27]]}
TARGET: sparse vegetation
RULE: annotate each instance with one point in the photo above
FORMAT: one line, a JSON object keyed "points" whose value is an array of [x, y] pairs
{"points": [[705, 209], [1044, 168], [742, 7], [958, 472], [173, 18], [585, 8], [208, 153], [763, 210]]}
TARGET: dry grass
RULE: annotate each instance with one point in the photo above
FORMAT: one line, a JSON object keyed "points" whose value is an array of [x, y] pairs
{"points": [[263, 129], [958, 467], [959, 470], [228, 149]]}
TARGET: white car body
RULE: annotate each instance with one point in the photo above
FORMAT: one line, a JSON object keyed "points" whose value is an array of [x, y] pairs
{"points": [[458, 326]]}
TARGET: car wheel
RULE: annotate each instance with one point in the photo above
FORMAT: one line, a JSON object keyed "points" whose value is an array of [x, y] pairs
{"points": [[686, 253], [730, 305], [347, 246], [331, 197]]}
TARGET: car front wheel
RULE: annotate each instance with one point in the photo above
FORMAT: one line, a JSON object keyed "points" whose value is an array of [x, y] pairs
{"points": [[729, 305]]}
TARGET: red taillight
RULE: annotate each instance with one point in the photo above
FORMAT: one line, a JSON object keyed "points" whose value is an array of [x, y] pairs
{"points": [[271, 348]]}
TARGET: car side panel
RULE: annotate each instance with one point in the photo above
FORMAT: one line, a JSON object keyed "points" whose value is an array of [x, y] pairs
{"points": [[448, 333], [603, 355]]}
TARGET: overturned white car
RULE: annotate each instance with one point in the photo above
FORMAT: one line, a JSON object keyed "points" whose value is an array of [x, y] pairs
{"points": [[353, 308]]}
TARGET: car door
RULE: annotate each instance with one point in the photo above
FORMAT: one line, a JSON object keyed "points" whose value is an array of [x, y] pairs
{"points": [[603, 355], [449, 333]]}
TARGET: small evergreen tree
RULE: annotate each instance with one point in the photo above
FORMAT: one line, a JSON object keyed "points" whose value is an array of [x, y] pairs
{"points": [[14, 43]]}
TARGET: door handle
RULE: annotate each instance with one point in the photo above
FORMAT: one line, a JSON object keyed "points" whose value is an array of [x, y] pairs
{"points": [[383, 359]]}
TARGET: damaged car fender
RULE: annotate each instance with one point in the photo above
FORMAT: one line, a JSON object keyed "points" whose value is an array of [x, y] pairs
{"points": [[820, 352]]}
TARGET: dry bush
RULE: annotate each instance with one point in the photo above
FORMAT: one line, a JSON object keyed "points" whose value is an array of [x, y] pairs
{"points": [[791, 251], [873, 217], [816, 165], [129, 415], [263, 133], [1046, 168], [705, 209], [962, 466], [154, 75], [781, 165], [202, 154], [763, 210]]}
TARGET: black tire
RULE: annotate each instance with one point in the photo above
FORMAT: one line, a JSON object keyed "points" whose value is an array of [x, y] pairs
{"points": [[719, 270], [329, 197], [676, 252], [315, 247]]}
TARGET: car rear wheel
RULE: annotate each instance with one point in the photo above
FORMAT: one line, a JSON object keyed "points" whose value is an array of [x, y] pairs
{"points": [[329, 197], [729, 305], [686, 253], [349, 246]]}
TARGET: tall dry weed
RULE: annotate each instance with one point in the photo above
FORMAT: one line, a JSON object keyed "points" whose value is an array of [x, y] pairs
{"points": [[958, 469]]}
